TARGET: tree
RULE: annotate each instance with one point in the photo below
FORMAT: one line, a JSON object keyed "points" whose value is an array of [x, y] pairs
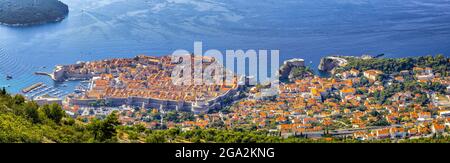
{"points": [[3, 91], [31, 111], [105, 130], [300, 72], [381, 122], [45, 109], [364, 81], [172, 116], [56, 112], [155, 138], [422, 100], [19, 99], [53, 112], [375, 113]]}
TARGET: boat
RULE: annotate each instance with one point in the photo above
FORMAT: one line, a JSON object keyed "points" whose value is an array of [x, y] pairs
{"points": [[78, 90]]}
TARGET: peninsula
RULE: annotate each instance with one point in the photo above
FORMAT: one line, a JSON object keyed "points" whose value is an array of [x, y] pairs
{"points": [[31, 12]]}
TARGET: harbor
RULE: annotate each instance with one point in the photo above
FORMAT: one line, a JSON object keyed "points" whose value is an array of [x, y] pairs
{"points": [[41, 89]]}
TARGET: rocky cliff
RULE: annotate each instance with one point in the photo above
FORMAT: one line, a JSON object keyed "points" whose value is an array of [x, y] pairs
{"points": [[294, 69], [328, 64]]}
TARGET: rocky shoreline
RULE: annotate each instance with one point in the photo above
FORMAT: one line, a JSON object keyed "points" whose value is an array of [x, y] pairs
{"points": [[288, 65], [328, 64], [33, 24]]}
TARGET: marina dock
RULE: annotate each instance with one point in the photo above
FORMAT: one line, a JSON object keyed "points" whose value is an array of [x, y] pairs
{"points": [[41, 89], [32, 87]]}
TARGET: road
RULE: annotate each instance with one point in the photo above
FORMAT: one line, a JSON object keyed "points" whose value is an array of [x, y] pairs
{"points": [[345, 131]]}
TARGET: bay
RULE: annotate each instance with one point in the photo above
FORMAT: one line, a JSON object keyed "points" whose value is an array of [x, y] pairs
{"points": [[309, 29]]}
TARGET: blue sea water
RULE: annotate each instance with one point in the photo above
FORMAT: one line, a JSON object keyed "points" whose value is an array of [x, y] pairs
{"points": [[309, 29]]}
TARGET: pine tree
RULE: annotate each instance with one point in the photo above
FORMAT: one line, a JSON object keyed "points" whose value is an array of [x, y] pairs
{"points": [[3, 91]]}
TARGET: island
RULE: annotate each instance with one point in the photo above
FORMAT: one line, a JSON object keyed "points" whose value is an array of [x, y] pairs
{"points": [[31, 12]]}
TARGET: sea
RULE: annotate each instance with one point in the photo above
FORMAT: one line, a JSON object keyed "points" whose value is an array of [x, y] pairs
{"points": [[308, 29]]}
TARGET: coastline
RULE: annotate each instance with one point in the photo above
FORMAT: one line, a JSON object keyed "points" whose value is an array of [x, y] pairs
{"points": [[60, 19], [317, 90]]}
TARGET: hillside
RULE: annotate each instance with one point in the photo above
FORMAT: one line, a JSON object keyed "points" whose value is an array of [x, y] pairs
{"points": [[24, 121], [31, 12]]}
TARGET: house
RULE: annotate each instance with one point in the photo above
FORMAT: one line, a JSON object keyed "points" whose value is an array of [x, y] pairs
{"points": [[428, 70], [391, 119], [399, 78], [360, 135], [370, 136], [418, 70], [397, 132], [350, 74], [346, 75], [447, 121], [404, 72], [285, 128], [354, 72], [100, 84], [309, 120], [281, 119], [443, 101], [424, 116], [382, 133], [444, 113], [423, 130], [347, 111], [412, 132], [425, 77], [437, 128], [318, 93], [372, 74], [347, 91]]}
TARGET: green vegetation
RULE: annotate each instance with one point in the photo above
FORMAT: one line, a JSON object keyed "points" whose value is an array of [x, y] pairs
{"points": [[25, 121], [175, 135], [412, 86], [439, 63], [297, 73], [104, 130], [300, 72], [434, 139]]}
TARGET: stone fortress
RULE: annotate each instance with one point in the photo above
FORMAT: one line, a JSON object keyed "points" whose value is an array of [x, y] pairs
{"points": [[142, 81]]}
